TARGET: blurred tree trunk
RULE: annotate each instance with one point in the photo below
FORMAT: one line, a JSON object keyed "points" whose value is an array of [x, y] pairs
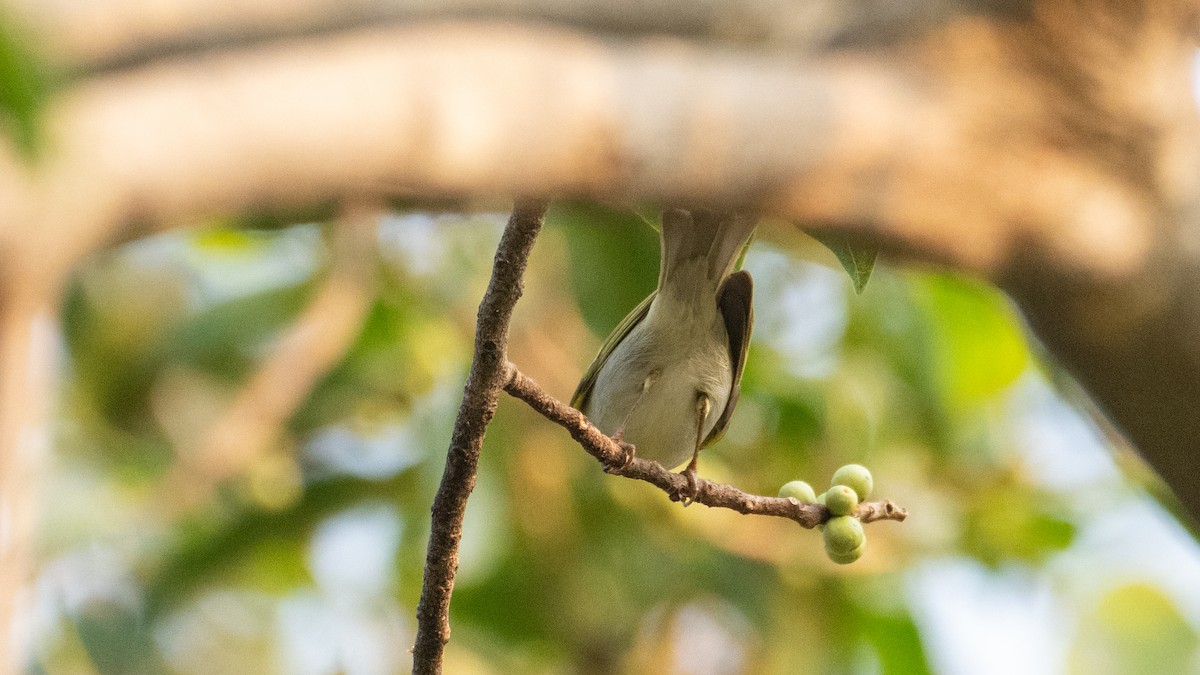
{"points": [[28, 343]]}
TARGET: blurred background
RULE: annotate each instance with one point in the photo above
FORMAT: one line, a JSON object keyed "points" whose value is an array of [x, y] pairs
{"points": [[254, 420]]}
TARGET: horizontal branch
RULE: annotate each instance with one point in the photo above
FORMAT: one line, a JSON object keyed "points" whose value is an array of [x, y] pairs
{"points": [[441, 110], [617, 461], [427, 110], [110, 34]]}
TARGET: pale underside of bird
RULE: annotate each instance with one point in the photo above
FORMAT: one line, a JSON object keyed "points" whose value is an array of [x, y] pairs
{"points": [[667, 379]]}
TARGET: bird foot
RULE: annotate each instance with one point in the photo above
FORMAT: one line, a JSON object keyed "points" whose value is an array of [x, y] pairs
{"points": [[687, 495], [627, 459]]}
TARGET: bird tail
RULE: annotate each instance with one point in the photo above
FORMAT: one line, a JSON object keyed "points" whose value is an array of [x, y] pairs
{"points": [[718, 238]]}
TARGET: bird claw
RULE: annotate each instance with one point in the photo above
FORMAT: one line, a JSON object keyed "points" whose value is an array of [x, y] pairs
{"points": [[627, 459], [687, 495]]}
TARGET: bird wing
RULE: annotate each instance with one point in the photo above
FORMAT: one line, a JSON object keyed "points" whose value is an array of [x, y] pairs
{"points": [[736, 303], [584, 391]]}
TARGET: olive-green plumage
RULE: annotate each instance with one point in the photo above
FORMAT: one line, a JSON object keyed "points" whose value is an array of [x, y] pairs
{"points": [[667, 378]]}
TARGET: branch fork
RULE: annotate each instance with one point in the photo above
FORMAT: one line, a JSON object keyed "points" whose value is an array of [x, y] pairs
{"points": [[491, 373]]}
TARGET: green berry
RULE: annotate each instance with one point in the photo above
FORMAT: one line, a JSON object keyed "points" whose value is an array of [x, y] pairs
{"points": [[800, 491], [841, 500], [847, 558], [821, 498], [843, 534], [856, 477]]}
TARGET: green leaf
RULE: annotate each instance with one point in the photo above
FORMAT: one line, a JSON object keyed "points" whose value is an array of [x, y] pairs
{"points": [[867, 612], [24, 86], [1012, 522], [248, 543], [896, 640], [1136, 629], [857, 258], [649, 213], [221, 339], [979, 345], [613, 259], [117, 639]]}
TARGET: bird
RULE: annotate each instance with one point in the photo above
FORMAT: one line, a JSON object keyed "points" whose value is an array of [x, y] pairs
{"points": [[666, 381]]}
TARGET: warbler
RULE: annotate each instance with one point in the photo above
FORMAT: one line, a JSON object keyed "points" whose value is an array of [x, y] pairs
{"points": [[667, 379]]}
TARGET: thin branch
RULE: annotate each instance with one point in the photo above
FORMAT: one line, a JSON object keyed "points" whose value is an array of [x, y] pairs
{"points": [[486, 379], [616, 460]]}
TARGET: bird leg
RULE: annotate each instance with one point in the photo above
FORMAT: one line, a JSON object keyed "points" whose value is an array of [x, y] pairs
{"points": [[619, 434], [703, 407]]}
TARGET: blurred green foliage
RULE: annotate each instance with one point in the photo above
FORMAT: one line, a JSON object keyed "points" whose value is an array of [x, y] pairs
{"points": [[613, 260], [25, 84], [1136, 628], [926, 378]]}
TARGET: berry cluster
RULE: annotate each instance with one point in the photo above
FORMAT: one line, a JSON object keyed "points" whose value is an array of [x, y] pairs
{"points": [[844, 536]]}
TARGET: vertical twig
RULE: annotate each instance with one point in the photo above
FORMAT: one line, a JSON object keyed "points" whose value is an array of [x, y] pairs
{"points": [[483, 386]]}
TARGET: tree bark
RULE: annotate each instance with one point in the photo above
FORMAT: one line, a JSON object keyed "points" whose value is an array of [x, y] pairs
{"points": [[484, 384]]}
